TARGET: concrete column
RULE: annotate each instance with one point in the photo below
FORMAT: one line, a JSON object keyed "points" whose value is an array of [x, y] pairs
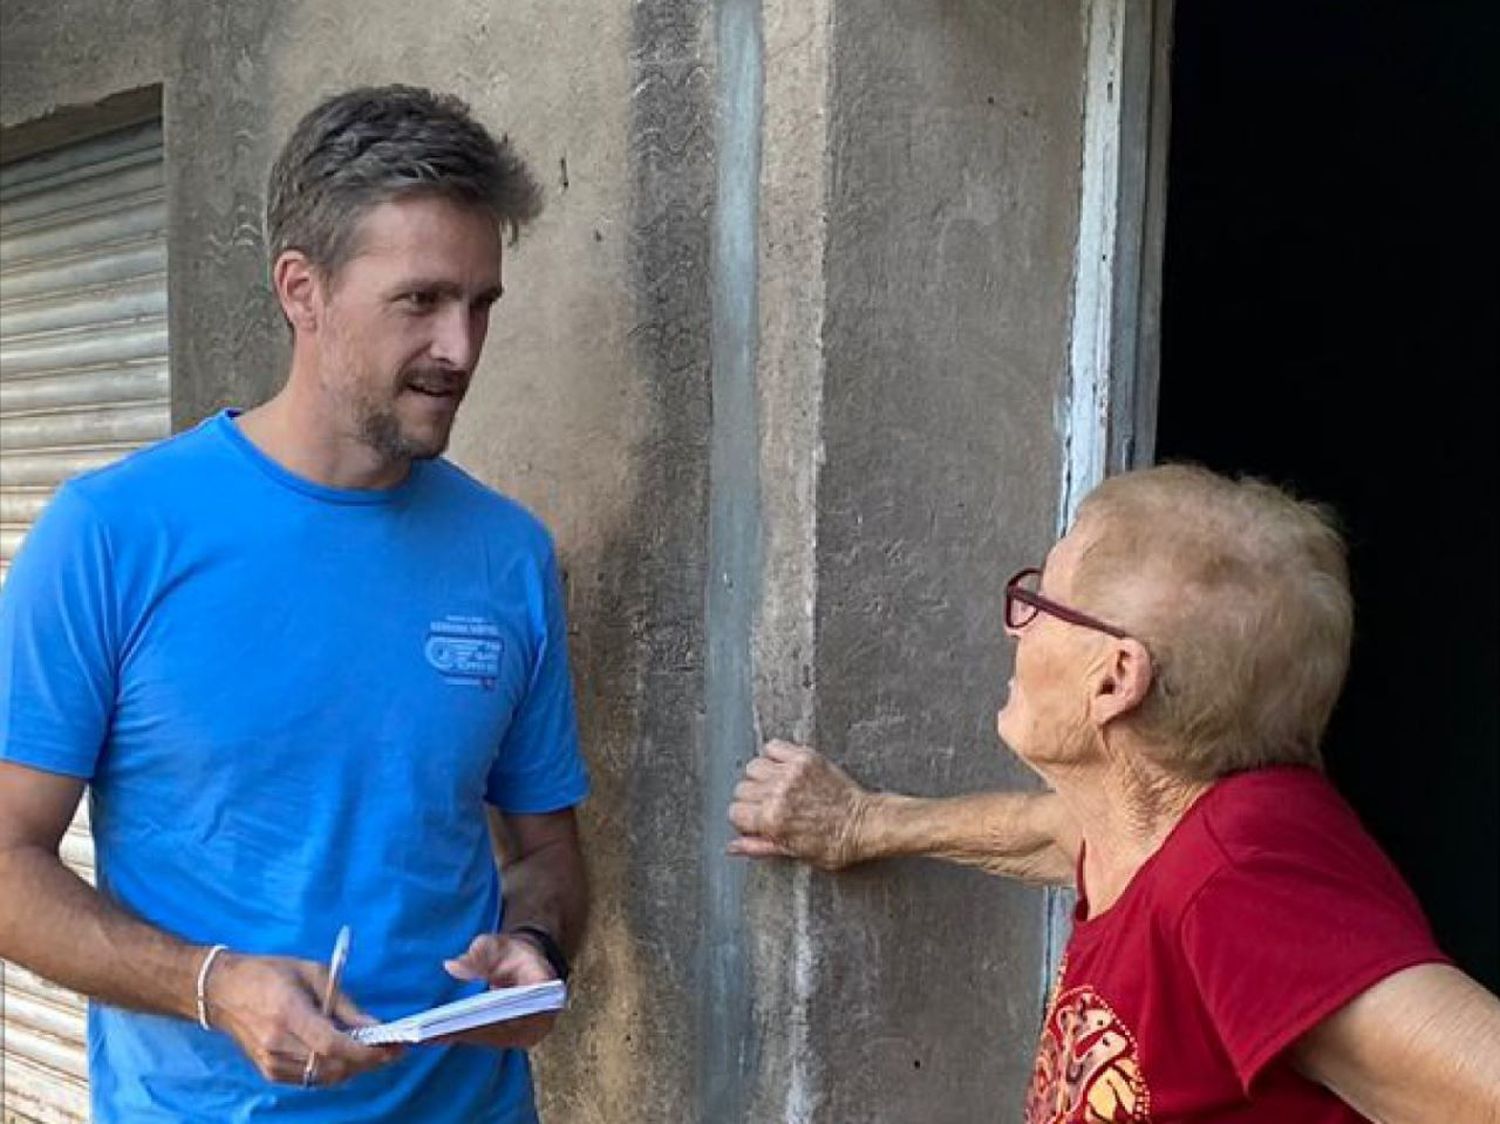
{"points": [[783, 366], [935, 279]]}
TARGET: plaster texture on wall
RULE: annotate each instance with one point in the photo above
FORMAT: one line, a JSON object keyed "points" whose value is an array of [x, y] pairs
{"points": [[228, 340], [789, 382], [912, 248], [953, 183], [59, 54], [591, 407]]}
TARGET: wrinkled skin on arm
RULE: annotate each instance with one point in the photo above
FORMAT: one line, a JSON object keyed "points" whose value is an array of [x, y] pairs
{"points": [[1422, 1046], [794, 803]]}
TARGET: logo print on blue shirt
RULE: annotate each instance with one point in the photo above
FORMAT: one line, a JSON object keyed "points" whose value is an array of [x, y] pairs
{"points": [[465, 650]]}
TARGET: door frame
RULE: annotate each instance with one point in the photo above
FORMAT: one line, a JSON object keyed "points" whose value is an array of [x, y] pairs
{"points": [[1114, 352]]}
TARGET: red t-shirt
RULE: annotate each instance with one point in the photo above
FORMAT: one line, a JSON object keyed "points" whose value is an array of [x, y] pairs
{"points": [[1266, 909]]}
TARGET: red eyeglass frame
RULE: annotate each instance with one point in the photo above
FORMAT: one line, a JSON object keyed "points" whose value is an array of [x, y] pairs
{"points": [[1016, 592]]}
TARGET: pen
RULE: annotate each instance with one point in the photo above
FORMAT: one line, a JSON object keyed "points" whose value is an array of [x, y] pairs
{"points": [[335, 970]]}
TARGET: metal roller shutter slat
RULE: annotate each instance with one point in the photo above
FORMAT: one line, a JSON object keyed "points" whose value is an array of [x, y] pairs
{"points": [[109, 425], [52, 468], [21, 507], [144, 214], [43, 1096], [54, 169], [99, 266], [22, 1040], [19, 980], [129, 300], [47, 1018], [78, 852], [103, 220], [89, 347], [145, 383], [83, 380], [86, 191]]}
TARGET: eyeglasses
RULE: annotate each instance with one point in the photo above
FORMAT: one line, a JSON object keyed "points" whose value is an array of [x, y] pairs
{"points": [[1023, 603]]}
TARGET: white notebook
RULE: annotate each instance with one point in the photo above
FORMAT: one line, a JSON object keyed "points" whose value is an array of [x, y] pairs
{"points": [[487, 1007]]}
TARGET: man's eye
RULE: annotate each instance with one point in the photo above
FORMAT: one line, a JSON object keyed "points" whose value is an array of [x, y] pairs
{"points": [[419, 301]]}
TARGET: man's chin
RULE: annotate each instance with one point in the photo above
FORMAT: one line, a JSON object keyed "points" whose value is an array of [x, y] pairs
{"points": [[427, 450], [397, 442], [427, 439]]}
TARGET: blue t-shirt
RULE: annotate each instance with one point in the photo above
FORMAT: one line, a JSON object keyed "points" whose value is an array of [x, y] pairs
{"points": [[292, 704]]}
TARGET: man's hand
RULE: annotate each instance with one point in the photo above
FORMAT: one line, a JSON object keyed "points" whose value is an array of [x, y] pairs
{"points": [[270, 1006], [797, 804], [504, 960]]}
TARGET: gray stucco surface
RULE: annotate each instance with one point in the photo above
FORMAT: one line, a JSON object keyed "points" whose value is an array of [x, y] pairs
{"points": [[951, 208], [912, 245], [61, 54]]}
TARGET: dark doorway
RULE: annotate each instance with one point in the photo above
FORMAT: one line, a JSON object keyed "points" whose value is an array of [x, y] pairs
{"points": [[1330, 310]]}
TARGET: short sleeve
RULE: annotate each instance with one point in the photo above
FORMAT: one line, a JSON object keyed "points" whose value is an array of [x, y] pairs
{"points": [[539, 768], [58, 632], [1277, 944]]}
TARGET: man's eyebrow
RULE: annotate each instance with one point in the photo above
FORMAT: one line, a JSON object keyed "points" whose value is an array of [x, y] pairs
{"points": [[445, 289]]}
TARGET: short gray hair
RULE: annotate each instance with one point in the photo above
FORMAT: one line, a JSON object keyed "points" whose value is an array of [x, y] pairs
{"points": [[374, 144], [1240, 592]]}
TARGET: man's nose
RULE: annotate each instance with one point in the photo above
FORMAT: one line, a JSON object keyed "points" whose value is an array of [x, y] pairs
{"points": [[458, 338]]}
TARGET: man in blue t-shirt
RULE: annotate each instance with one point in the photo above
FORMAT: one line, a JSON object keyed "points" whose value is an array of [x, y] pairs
{"points": [[305, 666]]}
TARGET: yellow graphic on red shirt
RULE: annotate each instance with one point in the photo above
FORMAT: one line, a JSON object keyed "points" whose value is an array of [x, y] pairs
{"points": [[1087, 1070]]}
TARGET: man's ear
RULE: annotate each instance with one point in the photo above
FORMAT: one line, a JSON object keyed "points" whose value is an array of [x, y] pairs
{"points": [[1123, 681], [299, 288]]}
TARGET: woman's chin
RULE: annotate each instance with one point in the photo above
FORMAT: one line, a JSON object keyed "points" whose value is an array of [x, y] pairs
{"points": [[1004, 727]]}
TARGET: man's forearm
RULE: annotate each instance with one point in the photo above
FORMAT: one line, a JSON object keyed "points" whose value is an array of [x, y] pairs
{"points": [[549, 888], [1029, 836], [56, 925]]}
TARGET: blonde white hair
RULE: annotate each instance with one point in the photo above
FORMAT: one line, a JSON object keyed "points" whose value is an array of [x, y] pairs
{"points": [[1240, 592]]}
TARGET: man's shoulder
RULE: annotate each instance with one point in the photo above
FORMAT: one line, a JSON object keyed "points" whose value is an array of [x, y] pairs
{"points": [[468, 498], [148, 473]]}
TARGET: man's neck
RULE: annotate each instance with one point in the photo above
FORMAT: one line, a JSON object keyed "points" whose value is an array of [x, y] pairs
{"points": [[1126, 809], [295, 430]]}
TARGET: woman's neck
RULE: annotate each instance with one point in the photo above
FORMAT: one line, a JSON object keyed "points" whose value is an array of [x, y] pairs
{"points": [[1126, 808]]}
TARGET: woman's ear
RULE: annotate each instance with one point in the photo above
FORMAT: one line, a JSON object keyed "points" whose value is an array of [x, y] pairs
{"points": [[1124, 681]]}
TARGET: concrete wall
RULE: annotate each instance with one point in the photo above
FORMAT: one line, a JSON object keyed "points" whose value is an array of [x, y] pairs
{"points": [[951, 214], [781, 365], [61, 55]]}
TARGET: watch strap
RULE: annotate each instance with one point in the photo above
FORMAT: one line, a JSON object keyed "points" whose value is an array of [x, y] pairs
{"points": [[547, 944]]}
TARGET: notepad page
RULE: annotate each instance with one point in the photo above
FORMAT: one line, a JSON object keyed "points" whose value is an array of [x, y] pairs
{"points": [[487, 1007]]}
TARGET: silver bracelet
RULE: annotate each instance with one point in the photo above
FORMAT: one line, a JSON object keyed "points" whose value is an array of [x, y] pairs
{"points": [[208, 962]]}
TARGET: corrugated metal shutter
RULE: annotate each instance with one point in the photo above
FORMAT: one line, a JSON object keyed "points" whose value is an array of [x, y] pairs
{"points": [[83, 379]]}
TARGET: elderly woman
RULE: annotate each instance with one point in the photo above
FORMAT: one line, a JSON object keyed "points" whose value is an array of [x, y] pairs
{"points": [[1242, 951]]}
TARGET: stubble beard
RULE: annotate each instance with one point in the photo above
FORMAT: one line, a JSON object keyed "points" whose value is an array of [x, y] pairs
{"points": [[381, 432], [376, 422], [379, 427]]}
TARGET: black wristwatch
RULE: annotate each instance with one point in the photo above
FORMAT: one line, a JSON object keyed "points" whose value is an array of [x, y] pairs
{"points": [[548, 946]]}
